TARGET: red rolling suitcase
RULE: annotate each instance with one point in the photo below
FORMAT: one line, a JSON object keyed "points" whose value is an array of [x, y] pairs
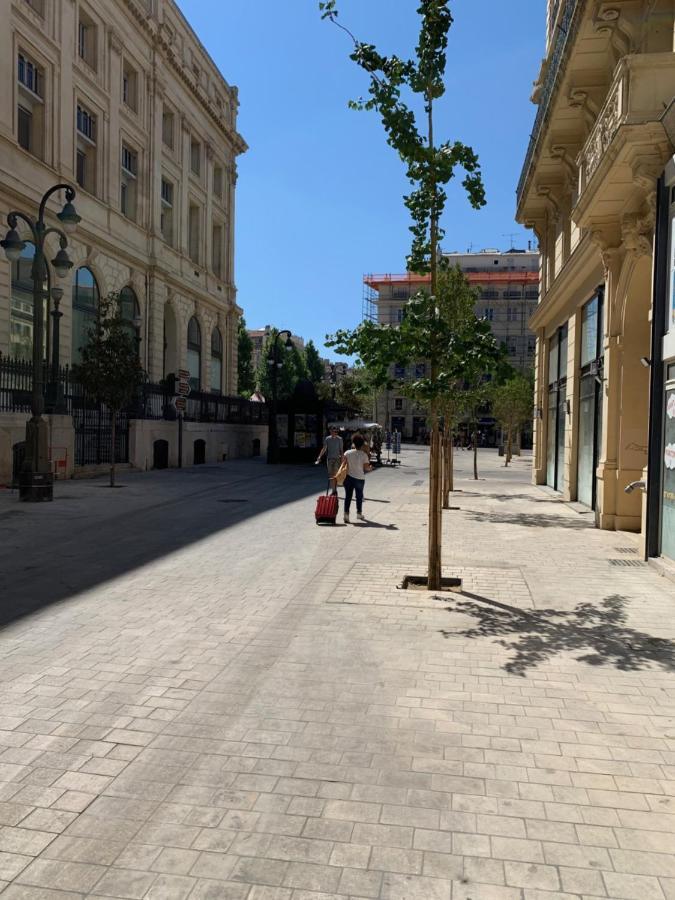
{"points": [[326, 508]]}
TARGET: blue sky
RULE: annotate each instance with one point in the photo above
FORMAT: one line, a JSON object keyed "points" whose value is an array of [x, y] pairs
{"points": [[319, 196]]}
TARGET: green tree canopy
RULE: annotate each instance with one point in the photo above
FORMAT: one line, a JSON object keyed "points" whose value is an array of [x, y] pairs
{"points": [[291, 366], [245, 371], [314, 363], [512, 405]]}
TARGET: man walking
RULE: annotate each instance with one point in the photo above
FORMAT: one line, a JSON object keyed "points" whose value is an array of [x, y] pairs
{"points": [[333, 450]]}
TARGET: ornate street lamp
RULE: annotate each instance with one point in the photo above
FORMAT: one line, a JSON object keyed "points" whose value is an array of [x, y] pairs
{"points": [[36, 481], [275, 363]]}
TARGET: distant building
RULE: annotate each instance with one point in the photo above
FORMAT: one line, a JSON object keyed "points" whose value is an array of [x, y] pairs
{"points": [[259, 338], [509, 291]]}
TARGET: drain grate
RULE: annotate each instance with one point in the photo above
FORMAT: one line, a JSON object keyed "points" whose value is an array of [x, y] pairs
{"points": [[631, 550], [633, 563]]}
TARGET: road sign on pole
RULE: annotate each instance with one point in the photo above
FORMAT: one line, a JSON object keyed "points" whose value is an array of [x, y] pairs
{"points": [[183, 384]]}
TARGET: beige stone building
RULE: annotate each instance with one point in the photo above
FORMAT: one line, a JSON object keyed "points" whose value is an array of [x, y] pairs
{"points": [[121, 100], [596, 177]]}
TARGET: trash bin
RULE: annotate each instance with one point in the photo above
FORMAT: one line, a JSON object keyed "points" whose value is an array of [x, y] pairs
{"points": [[501, 450]]}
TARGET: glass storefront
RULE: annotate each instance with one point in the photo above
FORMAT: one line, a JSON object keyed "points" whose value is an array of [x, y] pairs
{"points": [[590, 399], [557, 409], [668, 498]]}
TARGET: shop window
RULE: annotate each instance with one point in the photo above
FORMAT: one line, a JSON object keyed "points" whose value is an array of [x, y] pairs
{"points": [[85, 299], [216, 361], [557, 408], [590, 399], [194, 353]]}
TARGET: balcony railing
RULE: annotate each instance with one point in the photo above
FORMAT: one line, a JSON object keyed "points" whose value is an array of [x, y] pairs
{"points": [[568, 24]]}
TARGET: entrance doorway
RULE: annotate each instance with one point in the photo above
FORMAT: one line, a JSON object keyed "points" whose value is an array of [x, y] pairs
{"points": [[199, 452], [160, 455]]}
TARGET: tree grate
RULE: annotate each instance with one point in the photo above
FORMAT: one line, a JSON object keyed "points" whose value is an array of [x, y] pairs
{"points": [[632, 550], [633, 563]]}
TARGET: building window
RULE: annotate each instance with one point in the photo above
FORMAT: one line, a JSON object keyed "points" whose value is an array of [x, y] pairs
{"points": [[531, 345], [85, 160], [399, 371], [398, 403], [166, 222], [193, 233], [217, 250], [489, 295], [218, 182], [87, 40], [512, 313], [21, 305], [216, 361], [195, 157], [130, 311], [37, 6], [420, 370], [85, 309], [129, 86], [30, 107], [399, 316], [557, 408], [531, 295], [488, 314], [194, 353], [512, 295], [128, 185], [168, 120]]}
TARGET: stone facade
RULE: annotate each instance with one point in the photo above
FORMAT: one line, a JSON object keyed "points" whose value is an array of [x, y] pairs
{"points": [[588, 190], [122, 101]]}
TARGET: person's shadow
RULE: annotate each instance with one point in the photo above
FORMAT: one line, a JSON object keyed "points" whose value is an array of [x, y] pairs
{"points": [[370, 524]]}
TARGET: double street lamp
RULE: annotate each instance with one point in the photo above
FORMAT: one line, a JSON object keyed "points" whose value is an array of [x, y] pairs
{"points": [[274, 364], [36, 478]]}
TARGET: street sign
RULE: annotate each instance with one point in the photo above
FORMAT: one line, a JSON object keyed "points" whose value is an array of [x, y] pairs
{"points": [[183, 385], [181, 404]]}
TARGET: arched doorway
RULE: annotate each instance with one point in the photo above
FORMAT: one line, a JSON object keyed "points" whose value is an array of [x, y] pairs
{"points": [[194, 353], [86, 298], [170, 354], [199, 452]]}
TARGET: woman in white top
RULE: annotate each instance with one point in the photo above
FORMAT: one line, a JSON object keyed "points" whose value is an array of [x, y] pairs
{"points": [[358, 463]]}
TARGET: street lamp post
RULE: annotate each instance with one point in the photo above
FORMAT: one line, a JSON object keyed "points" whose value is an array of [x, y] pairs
{"points": [[56, 403], [36, 481], [274, 363]]}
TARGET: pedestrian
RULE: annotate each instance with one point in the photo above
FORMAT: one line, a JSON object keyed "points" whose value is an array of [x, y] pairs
{"points": [[333, 451], [358, 463]]}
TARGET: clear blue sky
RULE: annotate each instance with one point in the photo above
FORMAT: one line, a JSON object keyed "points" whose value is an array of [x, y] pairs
{"points": [[319, 191]]}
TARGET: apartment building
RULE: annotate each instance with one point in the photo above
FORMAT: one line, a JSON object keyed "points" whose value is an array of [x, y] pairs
{"points": [[121, 100], [597, 189], [507, 286]]}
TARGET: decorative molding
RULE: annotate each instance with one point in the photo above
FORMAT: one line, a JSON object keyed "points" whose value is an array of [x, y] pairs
{"points": [[605, 128], [548, 193], [579, 98], [607, 20], [636, 234], [115, 42], [562, 154]]}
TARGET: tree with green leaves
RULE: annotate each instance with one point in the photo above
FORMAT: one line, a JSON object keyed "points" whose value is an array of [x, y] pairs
{"points": [[357, 391], [245, 369], [314, 364], [512, 405], [110, 370], [430, 166], [291, 366]]}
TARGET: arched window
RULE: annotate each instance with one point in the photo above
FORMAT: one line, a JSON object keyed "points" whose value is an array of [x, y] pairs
{"points": [[85, 309], [131, 313], [21, 306], [216, 361], [194, 353]]}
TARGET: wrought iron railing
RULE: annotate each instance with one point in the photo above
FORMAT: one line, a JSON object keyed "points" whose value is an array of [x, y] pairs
{"points": [[16, 383], [566, 29]]}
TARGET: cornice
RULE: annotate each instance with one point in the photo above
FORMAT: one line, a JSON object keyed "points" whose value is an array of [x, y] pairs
{"points": [[583, 261]]}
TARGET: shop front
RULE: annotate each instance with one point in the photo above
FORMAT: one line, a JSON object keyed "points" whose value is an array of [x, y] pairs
{"points": [[557, 409], [590, 398]]}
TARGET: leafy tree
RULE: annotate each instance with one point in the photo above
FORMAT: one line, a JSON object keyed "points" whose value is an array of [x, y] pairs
{"points": [[429, 167], [110, 370], [357, 391], [245, 370], [512, 404], [291, 366], [314, 363]]}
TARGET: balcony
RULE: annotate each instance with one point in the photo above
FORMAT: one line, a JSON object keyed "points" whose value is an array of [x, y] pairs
{"points": [[567, 24], [628, 136]]}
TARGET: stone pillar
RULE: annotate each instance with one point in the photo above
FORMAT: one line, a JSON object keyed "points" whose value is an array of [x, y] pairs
{"points": [[157, 297], [113, 153]]}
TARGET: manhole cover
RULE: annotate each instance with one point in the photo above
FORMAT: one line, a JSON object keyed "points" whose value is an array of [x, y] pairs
{"points": [[633, 563]]}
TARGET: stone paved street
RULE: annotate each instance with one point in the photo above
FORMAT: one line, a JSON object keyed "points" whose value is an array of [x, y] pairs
{"points": [[204, 695]]}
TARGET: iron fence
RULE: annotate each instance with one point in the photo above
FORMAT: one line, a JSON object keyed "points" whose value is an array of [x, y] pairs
{"points": [[156, 402]]}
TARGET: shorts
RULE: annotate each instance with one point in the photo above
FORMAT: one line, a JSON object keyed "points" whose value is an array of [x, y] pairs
{"points": [[332, 465]]}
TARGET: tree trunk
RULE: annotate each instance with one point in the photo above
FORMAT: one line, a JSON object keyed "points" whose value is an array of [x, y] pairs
{"points": [[475, 453], [509, 446], [113, 417], [435, 515]]}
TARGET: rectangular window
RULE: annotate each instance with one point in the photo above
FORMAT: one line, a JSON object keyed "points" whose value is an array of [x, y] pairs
{"points": [[86, 123], [87, 40], [489, 313], [128, 187], [195, 157], [30, 75], [193, 233], [218, 181], [81, 168], [130, 86], [129, 160], [166, 223], [25, 129], [37, 6], [398, 403], [167, 128], [217, 250], [85, 154], [399, 371]]}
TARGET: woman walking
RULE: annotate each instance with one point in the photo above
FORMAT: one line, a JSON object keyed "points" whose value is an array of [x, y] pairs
{"points": [[358, 463]]}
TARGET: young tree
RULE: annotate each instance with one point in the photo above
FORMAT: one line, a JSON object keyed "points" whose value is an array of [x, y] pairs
{"points": [[430, 167], [512, 405], [110, 369], [315, 368], [245, 371]]}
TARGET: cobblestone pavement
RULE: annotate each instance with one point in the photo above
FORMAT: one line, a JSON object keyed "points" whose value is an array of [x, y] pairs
{"points": [[204, 695]]}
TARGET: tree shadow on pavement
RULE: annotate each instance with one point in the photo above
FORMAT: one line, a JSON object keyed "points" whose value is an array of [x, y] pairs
{"points": [[530, 520], [599, 633]]}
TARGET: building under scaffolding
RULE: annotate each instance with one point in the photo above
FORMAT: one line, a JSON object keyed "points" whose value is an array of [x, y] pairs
{"points": [[508, 291]]}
